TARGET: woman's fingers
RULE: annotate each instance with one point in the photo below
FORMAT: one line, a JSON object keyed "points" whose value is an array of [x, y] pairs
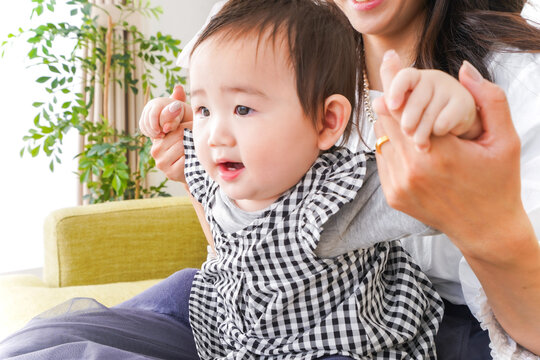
{"points": [[490, 101], [178, 93], [171, 116], [391, 159], [388, 125], [176, 161], [401, 166], [169, 154], [386, 150], [390, 66], [379, 106], [163, 115]]}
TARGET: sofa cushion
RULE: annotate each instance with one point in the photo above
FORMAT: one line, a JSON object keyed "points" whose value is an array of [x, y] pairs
{"points": [[24, 296]]}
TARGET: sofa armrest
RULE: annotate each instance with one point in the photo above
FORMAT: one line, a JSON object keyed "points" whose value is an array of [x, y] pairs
{"points": [[121, 241]]}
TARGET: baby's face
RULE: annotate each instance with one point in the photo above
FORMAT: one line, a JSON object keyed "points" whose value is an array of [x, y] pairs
{"points": [[250, 131]]}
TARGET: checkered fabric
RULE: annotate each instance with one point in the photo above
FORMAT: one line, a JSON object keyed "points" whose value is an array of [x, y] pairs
{"points": [[268, 296]]}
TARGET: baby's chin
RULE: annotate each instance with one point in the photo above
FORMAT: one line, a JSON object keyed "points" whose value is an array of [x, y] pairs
{"points": [[250, 204]]}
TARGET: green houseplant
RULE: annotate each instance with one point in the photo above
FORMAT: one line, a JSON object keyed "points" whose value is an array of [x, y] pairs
{"points": [[71, 77]]}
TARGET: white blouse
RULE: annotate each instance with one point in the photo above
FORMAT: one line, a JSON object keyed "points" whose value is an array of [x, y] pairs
{"points": [[518, 74]]}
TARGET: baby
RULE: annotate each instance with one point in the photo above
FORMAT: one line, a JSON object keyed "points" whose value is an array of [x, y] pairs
{"points": [[307, 263]]}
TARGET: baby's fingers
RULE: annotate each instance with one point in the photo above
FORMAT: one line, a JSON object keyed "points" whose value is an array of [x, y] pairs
{"points": [[149, 123], [151, 119], [142, 123], [405, 81], [414, 110], [423, 133], [428, 121], [449, 117]]}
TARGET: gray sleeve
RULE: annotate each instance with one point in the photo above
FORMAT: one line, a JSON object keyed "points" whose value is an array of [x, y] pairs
{"points": [[367, 220]]}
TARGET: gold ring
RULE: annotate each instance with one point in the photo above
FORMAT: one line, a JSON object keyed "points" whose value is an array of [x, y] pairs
{"points": [[380, 142]]}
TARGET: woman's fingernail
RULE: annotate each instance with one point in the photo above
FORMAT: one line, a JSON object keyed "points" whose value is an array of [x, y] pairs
{"points": [[472, 72], [389, 54], [175, 106]]}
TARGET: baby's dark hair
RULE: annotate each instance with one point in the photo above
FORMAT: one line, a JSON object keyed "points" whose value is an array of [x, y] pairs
{"points": [[321, 42]]}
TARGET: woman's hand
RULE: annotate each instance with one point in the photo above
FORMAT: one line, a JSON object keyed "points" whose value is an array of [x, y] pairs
{"points": [[164, 120], [166, 127], [471, 191], [168, 152], [460, 187], [163, 115]]}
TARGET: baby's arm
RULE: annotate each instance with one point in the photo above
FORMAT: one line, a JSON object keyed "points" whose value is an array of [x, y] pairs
{"points": [[432, 102], [367, 220]]}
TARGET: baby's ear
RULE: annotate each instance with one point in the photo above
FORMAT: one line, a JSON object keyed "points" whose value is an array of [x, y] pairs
{"points": [[337, 110]]}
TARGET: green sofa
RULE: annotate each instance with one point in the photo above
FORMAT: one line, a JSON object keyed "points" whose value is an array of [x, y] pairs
{"points": [[109, 252]]}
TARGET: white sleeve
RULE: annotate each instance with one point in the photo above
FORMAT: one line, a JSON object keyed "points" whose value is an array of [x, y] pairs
{"points": [[519, 76], [183, 58]]}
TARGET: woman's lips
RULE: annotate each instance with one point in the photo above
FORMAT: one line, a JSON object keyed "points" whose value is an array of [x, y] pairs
{"points": [[364, 5], [229, 170]]}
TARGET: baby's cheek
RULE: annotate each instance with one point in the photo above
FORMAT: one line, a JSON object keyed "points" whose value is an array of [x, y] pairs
{"points": [[201, 149]]}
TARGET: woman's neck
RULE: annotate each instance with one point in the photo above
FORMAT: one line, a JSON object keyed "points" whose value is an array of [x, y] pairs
{"points": [[405, 44]]}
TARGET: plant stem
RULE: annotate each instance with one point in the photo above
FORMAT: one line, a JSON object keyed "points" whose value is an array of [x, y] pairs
{"points": [[108, 54]]}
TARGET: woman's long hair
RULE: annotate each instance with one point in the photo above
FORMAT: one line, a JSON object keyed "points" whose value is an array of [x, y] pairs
{"points": [[457, 30]]}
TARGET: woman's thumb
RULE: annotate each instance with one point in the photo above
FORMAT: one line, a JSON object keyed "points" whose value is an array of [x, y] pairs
{"points": [[178, 93], [490, 100]]}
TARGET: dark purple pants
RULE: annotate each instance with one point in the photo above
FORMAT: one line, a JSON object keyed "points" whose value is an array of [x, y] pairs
{"points": [[155, 324], [152, 325], [160, 299]]}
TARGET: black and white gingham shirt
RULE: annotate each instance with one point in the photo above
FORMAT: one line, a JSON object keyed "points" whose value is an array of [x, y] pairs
{"points": [[267, 295]]}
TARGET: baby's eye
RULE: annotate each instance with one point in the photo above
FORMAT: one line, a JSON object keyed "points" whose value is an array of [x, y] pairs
{"points": [[203, 111], [243, 110]]}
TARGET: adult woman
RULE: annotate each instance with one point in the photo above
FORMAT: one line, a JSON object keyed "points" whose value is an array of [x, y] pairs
{"points": [[420, 183], [484, 216]]}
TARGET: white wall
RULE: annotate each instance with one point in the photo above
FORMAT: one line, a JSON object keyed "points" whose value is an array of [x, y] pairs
{"points": [[532, 10], [28, 190]]}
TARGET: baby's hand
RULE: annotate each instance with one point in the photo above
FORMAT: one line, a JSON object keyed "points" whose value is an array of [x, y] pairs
{"points": [[163, 115], [432, 102]]}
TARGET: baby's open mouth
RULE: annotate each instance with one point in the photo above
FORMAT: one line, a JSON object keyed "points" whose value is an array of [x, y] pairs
{"points": [[230, 170], [231, 166]]}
